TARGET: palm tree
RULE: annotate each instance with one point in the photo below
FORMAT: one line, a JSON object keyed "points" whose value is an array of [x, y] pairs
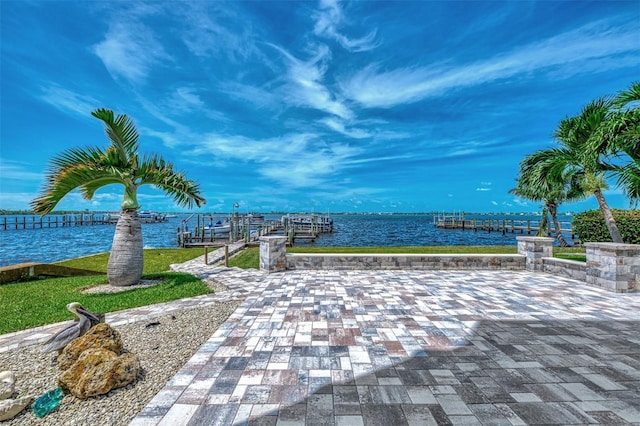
{"points": [[92, 168], [579, 135], [549, 191], [578, 160], [620, 139]]}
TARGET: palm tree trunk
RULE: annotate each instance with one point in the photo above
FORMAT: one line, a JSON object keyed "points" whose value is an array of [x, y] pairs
{"points": [[544, 221], [553, 211], [126, 259], [609, 221]]}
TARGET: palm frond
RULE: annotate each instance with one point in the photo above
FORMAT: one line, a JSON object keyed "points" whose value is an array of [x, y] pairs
{"points": [[625, 97], [121, 131], [89, 188], [629, 180], [155, 171], [62, 180]]}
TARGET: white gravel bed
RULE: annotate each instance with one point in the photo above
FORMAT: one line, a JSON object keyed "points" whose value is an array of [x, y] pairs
{"points": [[163, 349]]}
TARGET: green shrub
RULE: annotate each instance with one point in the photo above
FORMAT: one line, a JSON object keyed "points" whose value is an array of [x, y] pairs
{"points": [[590, 226]]}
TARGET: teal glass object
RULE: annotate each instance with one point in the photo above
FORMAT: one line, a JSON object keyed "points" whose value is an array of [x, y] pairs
{"points": [[47, 402]]}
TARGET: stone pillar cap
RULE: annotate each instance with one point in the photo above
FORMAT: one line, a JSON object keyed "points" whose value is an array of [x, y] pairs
{"points": [[530, 238]]}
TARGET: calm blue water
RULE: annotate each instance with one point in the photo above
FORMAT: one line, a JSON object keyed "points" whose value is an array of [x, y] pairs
{"points": [[55, 244], [413, 230]]}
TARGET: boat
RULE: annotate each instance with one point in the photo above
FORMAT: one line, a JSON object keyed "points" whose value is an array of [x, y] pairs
{"points": [[255, 218], [147, 216], [322, 223], [218, 228]]}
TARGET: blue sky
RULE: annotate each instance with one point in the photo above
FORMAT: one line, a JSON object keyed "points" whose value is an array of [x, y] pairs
{"points": [[310, 106]]}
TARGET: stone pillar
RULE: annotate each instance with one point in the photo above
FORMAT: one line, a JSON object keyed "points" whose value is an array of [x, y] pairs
{"points": [[273, 254], [534, 249], [614, 267]]}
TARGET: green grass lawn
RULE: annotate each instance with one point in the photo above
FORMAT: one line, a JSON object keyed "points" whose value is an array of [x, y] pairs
{"points": [[155, 260], [247, 258], [33, 303], [571, 253]]}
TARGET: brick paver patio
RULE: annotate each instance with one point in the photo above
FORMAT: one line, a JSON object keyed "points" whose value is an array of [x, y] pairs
{"points": [[410, 347]]}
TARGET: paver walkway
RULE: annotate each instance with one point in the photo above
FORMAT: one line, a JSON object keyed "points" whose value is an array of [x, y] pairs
{"points": [[411, 347]]}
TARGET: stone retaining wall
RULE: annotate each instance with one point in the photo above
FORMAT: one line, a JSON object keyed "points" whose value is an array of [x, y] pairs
{"points": [[512, 262], [615, 267], [565, 268], [612, 266], [534, 249]]}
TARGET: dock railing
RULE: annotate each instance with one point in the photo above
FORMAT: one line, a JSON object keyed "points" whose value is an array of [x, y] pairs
{"points": [[501, 225], [204, 229], [18, 222]]}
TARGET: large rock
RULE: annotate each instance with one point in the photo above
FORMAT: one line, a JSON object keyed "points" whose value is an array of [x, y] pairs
{"points": [[100, 336], [99, 370]]}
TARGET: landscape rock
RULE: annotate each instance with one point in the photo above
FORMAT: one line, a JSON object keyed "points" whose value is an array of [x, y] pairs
{"points": [[9, 408], [99, 336], [7, 384], [97, 371]]}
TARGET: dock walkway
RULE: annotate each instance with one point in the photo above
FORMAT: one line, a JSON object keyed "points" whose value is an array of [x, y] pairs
{"points": [[500, 225]]}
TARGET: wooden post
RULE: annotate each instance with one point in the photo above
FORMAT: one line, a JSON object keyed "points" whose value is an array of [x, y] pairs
{"points": [[226, 255], [206, 255]]}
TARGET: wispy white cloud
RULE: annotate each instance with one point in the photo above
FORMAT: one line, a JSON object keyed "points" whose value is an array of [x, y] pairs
{"points": [[15, 200], [296, 160], [329, 18], [260, 97], [481, 189], [304, 85], [339, 126], [565, 55], [460, 152], [185, 99], [68, 101], [130, 50], [10, 170], [213, 28]]}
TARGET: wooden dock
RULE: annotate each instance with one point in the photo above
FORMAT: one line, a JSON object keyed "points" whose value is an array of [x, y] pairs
{"points": [[206, 230], [200, 230], [8, 223], [33, 221], [499, 225]]}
